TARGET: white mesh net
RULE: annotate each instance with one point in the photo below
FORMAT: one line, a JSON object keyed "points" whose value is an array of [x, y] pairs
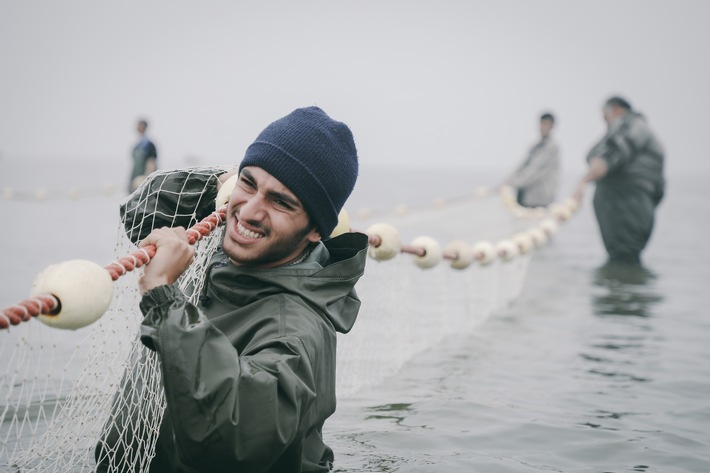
{"points": [[63, 391]]}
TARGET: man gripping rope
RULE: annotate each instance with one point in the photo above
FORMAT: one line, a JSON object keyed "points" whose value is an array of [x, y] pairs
{"points": [[627, 167], [249, 372]]}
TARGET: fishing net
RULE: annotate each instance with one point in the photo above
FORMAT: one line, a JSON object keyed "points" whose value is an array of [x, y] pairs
{"points": [[62, 392]]}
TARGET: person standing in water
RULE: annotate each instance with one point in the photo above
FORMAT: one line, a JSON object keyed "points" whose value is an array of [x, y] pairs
{"points": [[145, 157], [249, 371], [627, 167], [536, 177]]}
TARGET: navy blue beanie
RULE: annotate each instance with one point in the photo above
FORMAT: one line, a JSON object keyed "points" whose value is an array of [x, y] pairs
{"points": [[312, 155]]}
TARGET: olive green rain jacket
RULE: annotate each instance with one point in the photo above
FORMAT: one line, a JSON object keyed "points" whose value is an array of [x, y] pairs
{"points": [[249, 373]]}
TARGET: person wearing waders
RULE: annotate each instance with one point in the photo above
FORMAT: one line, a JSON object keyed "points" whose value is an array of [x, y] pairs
{"points": [[627, 168], [249, 371]]}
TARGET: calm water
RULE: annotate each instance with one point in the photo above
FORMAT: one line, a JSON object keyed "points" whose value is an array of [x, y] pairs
{"points": [[594, 369]]}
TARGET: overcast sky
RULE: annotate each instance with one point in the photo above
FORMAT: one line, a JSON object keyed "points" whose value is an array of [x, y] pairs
{"points": [[420, 82]]}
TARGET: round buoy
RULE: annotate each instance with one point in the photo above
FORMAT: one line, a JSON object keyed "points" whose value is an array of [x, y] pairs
{"points": [[343, 225], [225, 191], [73, 193], [506, 191], [549, 226], [560, 212], [109, 189], [432, 252], [83, 289], [389, 242], [524, 241], [439, 203], [572, 203], [481, 192], [364, 213], [41, 194], [401, 209], [520, 211], [507, 250], [538, 236], [464, 254], [484, 252], [7, 193], [538, 212]]}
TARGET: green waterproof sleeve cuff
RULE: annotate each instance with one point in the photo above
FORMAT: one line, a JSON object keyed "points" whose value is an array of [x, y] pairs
{"points": [[161, 296], [156, 305]]}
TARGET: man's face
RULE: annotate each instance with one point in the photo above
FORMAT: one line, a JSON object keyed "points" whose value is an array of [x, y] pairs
{"points": [[545, 127], [611, 113], [267, 225], [140, 128]]}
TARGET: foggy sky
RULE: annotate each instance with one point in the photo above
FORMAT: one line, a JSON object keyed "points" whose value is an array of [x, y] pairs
{"points": [[420, 83]]}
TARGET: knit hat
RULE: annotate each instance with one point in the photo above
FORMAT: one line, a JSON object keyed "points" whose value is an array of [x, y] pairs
{"points": [[312, 155]]}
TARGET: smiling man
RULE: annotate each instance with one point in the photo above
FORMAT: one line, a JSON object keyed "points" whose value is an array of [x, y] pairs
{"points": [[249, 372]]}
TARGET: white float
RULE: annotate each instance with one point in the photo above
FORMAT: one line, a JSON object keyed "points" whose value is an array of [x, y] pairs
{"points": [[364, 213], [225, 191], [83, 288], [561, 212], [343, 225], [549, 226], [390, 243], [464, 254], [524, 241], [507, 249], [481, 192], [401, 209], [484, 252], [538, 236], [432, 252]]}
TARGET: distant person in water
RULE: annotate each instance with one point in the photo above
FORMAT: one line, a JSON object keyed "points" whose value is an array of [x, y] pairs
{"points": [[535, 179], [627, 167], [145, 158]]}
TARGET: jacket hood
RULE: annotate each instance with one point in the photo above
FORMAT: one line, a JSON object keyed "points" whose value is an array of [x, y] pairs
{"points": [[325, 279]]}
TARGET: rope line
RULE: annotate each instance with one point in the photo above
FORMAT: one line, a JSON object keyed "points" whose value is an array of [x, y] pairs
{"points": [[46, 304], [556, 213]]}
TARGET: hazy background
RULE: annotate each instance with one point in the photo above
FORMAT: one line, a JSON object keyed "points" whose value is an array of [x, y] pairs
{"points": [[420, 83]]}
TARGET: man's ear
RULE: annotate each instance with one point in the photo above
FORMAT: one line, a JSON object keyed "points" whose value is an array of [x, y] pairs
{"points": [[314, 236]]}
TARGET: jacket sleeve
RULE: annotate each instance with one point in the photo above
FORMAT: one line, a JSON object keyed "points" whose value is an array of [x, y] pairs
{"points": [[539, 166], [170, 198], [624, 144], [226, 409]]}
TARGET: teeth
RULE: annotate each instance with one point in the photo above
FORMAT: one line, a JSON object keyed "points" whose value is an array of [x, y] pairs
{"points": [[247, 233]]}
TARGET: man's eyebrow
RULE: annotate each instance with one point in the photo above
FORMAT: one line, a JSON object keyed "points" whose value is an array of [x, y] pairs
{"points": [[276, 195], [293, 202], [247, 174]]}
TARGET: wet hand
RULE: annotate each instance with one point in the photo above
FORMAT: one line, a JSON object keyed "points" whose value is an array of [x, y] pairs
{"points": [[172, 257]]}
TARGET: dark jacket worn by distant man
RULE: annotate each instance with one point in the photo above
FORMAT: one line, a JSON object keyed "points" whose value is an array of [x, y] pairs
{"points": [[627, 166]]}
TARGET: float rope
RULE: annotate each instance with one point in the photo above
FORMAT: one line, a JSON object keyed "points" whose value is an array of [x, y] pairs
{"points": [[384, 241], [48, 304]]}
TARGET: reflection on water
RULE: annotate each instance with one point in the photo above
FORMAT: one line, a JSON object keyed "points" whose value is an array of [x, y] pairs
{"points": [[628, 290], [624, 347], [396, 412]]}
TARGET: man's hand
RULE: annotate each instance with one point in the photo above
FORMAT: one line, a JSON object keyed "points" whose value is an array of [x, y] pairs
{"points": [[172, 257], [598, 168], [579, 192]]}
